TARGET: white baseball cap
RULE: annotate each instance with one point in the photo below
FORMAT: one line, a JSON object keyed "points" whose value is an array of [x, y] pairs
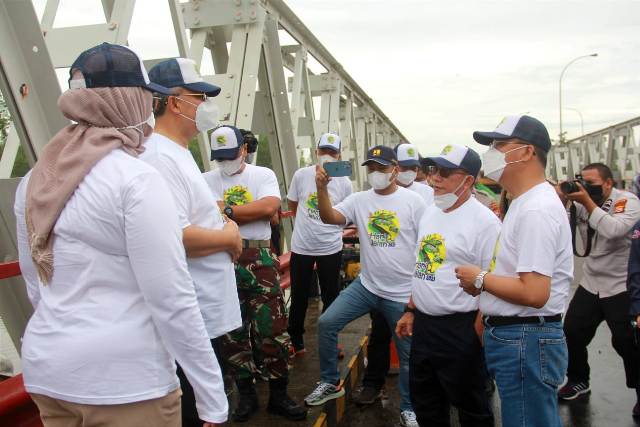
{"points": [[226, 141], [407, 155], [330, 141]]}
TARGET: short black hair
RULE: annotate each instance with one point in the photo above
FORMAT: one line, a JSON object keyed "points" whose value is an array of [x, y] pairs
{"points": [[159, 104], [541, 155], [603, 170]]}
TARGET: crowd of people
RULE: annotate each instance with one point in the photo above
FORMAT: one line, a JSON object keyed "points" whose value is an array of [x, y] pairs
{"points": [[151, 281]]}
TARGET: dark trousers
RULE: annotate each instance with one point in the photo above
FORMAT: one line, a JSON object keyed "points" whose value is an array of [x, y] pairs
{"points": [[378, 356], [446, 368], [328, 270], [189, 413], [586, 312]]}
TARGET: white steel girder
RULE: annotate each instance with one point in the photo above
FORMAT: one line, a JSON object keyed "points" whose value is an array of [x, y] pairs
{"points": [[243, 37], [615, 146]]}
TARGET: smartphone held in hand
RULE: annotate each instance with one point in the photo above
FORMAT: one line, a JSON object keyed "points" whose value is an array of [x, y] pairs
{"points": [[337, 169]]}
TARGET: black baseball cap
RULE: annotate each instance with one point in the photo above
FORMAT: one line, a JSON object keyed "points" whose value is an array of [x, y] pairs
{"points": [[112, 65], [525, 128], [181, 72], [457, 157], [382, 155]]}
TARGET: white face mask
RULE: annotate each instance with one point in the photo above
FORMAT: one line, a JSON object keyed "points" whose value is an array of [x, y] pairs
{"points": [[151, 122], [325, 158], [445, 201], [230, 167], [494, 162], [407, 177], [206, 115], [379, 180]]}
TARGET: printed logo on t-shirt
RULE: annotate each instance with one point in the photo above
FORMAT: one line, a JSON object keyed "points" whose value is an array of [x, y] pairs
{"points": [[383, 228], [237, 195], [496, 249], [312, 206], [431, 256]]}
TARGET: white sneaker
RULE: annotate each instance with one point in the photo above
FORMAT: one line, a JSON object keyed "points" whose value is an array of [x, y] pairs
{"points": [[408, 419]]}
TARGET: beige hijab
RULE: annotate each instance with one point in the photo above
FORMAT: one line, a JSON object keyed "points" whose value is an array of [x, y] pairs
{"points": [[72, 153]]}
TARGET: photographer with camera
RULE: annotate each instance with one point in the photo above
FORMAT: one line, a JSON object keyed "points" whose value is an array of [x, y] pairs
{"points": [[604, 216]]}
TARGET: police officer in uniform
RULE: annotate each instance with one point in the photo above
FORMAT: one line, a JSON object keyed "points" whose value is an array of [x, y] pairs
{"points": [[605, 215]]}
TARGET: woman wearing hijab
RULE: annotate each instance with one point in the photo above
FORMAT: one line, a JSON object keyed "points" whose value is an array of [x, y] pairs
{"points": [[101, 252]]}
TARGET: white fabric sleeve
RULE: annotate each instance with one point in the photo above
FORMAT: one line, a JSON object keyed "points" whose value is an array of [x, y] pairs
{"points": [[536, 243], [293, 188], [347, 209], [268, 186], [27, 267], [156, 253], [486, 240], [170, 171]]}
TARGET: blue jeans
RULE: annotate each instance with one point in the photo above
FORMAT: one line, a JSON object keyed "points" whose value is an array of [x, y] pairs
{"points": [[354, 302], [529, 363]]}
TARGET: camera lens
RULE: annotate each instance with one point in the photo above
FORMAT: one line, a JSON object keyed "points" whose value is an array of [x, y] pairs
{"points": [[568, 187]]}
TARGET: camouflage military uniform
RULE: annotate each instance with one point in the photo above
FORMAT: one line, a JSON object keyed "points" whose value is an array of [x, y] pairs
{"points": [[264, 319]]}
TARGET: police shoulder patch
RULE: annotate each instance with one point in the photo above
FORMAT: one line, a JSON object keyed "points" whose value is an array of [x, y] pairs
{"points": [[619, 206]]}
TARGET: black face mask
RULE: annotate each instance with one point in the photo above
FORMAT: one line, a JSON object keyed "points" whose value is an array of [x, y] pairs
{"points": [[595, 192]]}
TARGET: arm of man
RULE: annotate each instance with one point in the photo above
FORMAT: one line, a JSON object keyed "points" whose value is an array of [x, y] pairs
{"points": [[262, 209], [200, 242], [536, 259], [293, 206], [617, 224], [156, 253], [328, 214]]}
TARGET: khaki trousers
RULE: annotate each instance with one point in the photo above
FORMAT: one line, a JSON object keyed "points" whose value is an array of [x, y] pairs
{"points": [[160, 412]]}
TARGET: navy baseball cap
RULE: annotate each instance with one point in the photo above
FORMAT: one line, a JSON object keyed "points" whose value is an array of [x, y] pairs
{"points": [[407, 155], [525, 128], [226, 142], [181, 72], [112, 65], [457, 157], [382, 155]]}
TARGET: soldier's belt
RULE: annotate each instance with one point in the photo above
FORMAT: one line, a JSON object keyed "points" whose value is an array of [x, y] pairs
{"points": [[256, 243]]}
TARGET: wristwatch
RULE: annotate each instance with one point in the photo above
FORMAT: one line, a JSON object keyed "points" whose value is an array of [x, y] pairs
{"points": [[479, 282], [408, 309], [228, 212]]}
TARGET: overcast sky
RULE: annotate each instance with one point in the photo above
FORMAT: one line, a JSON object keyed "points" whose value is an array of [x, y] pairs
{"points": [[441, 69]]}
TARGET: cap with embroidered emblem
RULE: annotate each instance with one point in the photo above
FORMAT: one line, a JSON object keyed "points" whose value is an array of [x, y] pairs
{"points": [[457, 157], [382, 155], [226, 142]]}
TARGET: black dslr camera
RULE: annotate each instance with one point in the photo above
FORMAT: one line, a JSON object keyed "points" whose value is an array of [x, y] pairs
{"points": [[568, 187]]}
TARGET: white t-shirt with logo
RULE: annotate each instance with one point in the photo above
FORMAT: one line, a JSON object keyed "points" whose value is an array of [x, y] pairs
{"points": [[213, 275], [464, 236], [388, 231], [254, 183], [310, 235], [424, 190], [535, 237]]}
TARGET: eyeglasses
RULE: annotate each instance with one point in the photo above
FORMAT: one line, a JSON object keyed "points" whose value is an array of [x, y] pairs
{"points": [[444, 172], [202, 96]]}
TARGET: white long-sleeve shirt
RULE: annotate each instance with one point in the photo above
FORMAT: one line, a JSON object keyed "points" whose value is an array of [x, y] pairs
{"points": [[121, 305]]}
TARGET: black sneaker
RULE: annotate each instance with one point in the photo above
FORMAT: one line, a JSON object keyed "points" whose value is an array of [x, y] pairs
{"points": [[573, 390], [367, 396]]}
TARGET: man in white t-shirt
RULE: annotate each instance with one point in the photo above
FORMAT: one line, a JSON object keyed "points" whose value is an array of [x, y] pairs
{"points": [[447, 367], [210, 242], [313, 242], [378, 352], [250, 195], [525, 291], [387, 218], [408, 166]]}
